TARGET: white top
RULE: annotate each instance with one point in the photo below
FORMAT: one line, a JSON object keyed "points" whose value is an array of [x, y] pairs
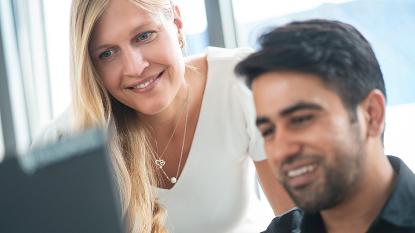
{"points": [[217, 189]]}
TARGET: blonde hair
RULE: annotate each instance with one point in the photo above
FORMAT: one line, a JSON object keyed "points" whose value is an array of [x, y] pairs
{"points": [[131, 152]]}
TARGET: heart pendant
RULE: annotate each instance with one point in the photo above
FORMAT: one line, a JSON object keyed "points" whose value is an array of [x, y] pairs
{"points": [[160, 163]]}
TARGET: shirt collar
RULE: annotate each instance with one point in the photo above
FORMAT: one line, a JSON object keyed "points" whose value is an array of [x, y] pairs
{"points": [[313, 223], [400, 206]]}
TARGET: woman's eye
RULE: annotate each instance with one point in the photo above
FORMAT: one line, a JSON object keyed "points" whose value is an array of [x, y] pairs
{"points": [[106, 54], [145, 36]]}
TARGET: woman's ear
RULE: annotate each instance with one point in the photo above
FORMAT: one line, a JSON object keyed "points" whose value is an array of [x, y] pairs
{"points": [[374, 107], [177, 18]]}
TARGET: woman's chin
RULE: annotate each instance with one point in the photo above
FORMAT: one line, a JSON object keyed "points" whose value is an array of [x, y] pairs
{"points": [[152, 110]]}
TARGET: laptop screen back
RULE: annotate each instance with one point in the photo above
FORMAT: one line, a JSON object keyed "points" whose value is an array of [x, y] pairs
{"points": [[64, 187]]}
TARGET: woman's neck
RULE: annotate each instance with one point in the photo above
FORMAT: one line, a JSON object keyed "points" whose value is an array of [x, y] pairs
{"points": [[166, 120]]}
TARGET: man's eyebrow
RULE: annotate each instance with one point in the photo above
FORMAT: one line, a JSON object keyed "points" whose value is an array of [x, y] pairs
{"points": [[299, 106], [287, 111], [261, 120]]}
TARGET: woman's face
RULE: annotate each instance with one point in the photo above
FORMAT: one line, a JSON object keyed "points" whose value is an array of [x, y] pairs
{"points": [[138, 57]]}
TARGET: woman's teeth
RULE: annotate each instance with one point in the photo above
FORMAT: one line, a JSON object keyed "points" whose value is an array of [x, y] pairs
{"points": [[145, 84]]}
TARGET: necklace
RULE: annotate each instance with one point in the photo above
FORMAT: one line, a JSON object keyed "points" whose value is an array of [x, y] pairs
{"points": [[160, 162]]}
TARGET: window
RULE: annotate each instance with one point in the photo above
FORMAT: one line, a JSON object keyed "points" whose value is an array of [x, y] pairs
{"points": [[57, 15], [16, 124], [194, 24]]}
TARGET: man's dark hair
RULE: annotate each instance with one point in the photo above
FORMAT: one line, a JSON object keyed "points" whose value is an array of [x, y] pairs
{"points": [[333, 51]]}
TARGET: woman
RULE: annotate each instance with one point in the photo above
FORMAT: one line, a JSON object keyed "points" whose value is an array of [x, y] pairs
{"points": [[183, 125]]}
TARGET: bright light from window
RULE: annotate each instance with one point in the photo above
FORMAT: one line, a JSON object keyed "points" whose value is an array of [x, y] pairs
{"points": [[398, 133], [247, 11], [57, 36], [193, 15]]}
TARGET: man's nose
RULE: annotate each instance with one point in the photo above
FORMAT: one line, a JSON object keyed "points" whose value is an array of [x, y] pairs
{"points": [[134, 62], [284, 145]]}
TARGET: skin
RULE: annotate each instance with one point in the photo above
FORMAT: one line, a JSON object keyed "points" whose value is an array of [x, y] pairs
{"points": [[130, 46], [328, 162]]}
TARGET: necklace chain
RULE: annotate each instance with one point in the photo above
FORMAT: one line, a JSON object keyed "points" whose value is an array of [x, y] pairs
{"points": [[174, 130], [159, 161]]}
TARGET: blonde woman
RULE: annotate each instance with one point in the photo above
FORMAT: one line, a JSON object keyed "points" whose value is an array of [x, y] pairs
{"points": [[183, 128]]}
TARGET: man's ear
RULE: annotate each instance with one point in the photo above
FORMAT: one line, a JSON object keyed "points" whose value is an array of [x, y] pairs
{"points": [[178, 18], [374, 107]]}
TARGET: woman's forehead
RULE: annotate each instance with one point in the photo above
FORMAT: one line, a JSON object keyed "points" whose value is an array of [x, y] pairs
{"points": [[122, 18], [122, 9]]}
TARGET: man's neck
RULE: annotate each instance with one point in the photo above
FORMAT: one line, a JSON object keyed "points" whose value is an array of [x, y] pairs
{"points": [[364, 203]]}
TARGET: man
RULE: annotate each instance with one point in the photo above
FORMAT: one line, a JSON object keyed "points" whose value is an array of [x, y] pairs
{"points": [[320, 102]]}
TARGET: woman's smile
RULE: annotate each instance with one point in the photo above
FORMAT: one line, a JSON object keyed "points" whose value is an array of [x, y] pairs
{"points": [[147, 84]]}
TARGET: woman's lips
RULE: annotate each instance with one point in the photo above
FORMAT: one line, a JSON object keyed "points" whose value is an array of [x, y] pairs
{"points": [[147, 84]]}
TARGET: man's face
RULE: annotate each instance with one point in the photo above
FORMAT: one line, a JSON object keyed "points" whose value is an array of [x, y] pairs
{"points": [[314, 147]]}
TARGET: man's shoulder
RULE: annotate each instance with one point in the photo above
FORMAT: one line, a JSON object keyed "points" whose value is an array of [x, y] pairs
{"points": [[289, 222]]}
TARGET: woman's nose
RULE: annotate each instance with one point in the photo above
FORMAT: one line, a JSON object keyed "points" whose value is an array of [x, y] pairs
{"points": [[134, 62]]}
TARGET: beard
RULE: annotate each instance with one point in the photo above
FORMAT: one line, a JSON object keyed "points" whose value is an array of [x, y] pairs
{"points": [[334, 183]]}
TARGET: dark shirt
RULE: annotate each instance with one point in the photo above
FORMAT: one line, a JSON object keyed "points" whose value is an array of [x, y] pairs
{"points": [[397, 215]]}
